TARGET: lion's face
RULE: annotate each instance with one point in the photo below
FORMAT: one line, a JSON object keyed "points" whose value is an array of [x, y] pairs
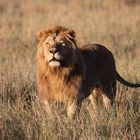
{"points": [[58, 49]]}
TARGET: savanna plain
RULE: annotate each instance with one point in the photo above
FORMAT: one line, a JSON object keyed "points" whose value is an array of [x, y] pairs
{"points": [[115, 24]]}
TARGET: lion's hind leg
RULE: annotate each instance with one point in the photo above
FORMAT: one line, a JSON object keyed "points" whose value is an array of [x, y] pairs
{"points": [[109, 94], [103, 97], [107, 102], [96, 99]]}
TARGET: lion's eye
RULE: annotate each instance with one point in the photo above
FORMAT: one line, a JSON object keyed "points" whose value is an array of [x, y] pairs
{"points": [[47, 44], [62, 43]]}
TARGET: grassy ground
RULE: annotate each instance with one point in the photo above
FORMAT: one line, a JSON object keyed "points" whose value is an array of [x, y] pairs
{"points": [[114, 24]]}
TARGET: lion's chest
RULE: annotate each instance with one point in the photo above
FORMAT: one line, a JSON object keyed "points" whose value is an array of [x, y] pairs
{"points": [[60, 90]]}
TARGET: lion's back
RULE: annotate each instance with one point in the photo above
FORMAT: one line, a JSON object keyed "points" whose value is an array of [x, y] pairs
{"points": [[96, 55]]}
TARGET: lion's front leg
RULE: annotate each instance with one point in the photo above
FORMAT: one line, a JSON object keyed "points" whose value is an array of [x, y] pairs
{"points": [[47, 108], [73, 109], [43, 98]]}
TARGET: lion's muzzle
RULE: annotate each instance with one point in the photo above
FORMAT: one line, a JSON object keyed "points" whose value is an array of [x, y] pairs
{"points": [[56, 58], [53, 50]]}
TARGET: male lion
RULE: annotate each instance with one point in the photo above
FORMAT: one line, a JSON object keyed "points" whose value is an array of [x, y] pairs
{"points": [[70, 74]]}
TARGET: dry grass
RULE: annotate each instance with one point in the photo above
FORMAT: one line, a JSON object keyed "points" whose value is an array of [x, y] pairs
{"points": [[114, 24]]}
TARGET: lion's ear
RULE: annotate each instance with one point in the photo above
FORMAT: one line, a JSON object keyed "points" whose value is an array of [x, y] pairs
{"points": [[41, 35], [71, 33]]}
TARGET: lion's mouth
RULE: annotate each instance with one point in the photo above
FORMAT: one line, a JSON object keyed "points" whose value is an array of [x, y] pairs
{"points": [[54, 59], [54, 62]]}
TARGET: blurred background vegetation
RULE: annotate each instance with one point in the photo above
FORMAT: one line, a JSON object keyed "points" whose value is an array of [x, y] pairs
{"points": [[115, 24]]}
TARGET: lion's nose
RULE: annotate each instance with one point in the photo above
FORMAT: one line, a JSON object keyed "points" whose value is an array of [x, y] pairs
{"points": [[53, 50]]}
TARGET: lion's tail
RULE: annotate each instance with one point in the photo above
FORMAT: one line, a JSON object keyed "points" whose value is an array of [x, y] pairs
{"points": [[121, 80]]}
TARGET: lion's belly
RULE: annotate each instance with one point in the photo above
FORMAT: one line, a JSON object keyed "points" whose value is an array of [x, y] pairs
{"points": [[88, 88], [91, 80]]}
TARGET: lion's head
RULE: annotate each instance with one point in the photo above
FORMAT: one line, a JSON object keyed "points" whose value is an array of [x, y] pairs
{"points": [[57, 46]]}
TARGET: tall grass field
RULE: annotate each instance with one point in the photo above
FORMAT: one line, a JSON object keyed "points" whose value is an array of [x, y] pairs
{"points": [[115, 24]]}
